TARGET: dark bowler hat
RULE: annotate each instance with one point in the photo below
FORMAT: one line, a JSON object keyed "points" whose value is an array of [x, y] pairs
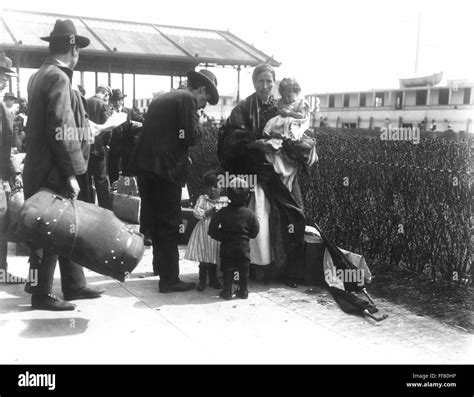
{"points": [[210, 81], [66, 30], [117, 94], [6, 65], [10, 95]]}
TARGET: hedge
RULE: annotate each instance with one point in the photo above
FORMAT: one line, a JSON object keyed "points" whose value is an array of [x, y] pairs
{"points": [[391, 201]]}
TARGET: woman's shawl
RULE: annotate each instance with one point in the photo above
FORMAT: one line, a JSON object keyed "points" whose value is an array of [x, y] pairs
{"points": [[244, 125]]}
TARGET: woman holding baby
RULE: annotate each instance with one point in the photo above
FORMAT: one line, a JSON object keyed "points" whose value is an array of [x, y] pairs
{"points": [[244, 148]]}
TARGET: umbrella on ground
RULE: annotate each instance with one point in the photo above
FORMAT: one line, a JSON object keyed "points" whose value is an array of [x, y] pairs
{"points": [[342, 293]]}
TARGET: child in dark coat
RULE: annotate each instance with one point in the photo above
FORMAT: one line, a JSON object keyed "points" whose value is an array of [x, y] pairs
{"points": [[234, 226]]}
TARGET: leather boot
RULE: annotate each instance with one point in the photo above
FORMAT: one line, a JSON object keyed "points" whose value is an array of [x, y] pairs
{"points": [[202, 276], [50, 302], [226, 293], [213, 280]]}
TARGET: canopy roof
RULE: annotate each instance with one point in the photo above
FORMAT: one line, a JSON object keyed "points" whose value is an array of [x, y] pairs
{"points": [[127, 47]]}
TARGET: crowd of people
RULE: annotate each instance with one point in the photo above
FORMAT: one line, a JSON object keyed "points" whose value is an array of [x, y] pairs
{"points": [[263, 138]]}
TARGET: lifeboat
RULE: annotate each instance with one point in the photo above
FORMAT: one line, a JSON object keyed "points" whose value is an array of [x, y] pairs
{"points": [[430, 80]]}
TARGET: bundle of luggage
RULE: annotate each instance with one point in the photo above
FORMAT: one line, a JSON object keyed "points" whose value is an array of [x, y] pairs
{"points": [[125, 201]]}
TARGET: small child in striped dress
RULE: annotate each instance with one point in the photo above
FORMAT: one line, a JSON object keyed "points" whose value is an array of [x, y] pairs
{"points": [[201, 248]]}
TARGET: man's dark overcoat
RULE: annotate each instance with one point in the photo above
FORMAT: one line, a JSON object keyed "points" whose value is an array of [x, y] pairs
{"points": [[57, 145], [171, 126]]}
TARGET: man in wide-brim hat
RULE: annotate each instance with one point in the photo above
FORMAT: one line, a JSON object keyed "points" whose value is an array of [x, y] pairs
{"points": [[208, 79], [10, 95], [10, 170], [65, 32], [117, 95], [10, 99], [171, 126], [54, 162], [6, 67]]}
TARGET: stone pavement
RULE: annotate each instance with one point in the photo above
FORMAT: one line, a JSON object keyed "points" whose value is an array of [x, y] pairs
{"points": [[132, 323]]}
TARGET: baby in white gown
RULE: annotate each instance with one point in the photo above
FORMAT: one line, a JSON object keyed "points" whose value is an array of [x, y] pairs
{"points": [[285, 133]]}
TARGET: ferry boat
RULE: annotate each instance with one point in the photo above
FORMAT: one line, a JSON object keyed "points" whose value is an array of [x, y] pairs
{"points": [[418, 102]]}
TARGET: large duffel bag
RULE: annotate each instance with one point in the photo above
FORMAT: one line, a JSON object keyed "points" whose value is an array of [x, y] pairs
{"points": [[90, 236]]}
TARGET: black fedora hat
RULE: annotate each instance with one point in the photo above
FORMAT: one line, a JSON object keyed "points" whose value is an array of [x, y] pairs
{"points": [[6, 65], [10, 95], [66, 30], [117, 94], [210, 81]]}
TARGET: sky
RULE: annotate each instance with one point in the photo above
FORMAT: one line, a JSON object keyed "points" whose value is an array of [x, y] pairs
{"points": [[328, 46]]}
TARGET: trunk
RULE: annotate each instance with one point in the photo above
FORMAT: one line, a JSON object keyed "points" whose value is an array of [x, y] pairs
{"points": [[87, 234]]}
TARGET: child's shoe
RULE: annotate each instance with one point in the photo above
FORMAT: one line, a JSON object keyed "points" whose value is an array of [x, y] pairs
{"points": [[242, 294]]}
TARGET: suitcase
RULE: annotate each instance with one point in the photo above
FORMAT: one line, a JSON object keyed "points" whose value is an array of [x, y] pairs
{"points": [[90, 236], [126, 207], [313, 260], [127, 185]]}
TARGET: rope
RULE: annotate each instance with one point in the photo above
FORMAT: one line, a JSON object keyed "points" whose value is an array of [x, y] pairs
{"points": [[395, 165]]}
